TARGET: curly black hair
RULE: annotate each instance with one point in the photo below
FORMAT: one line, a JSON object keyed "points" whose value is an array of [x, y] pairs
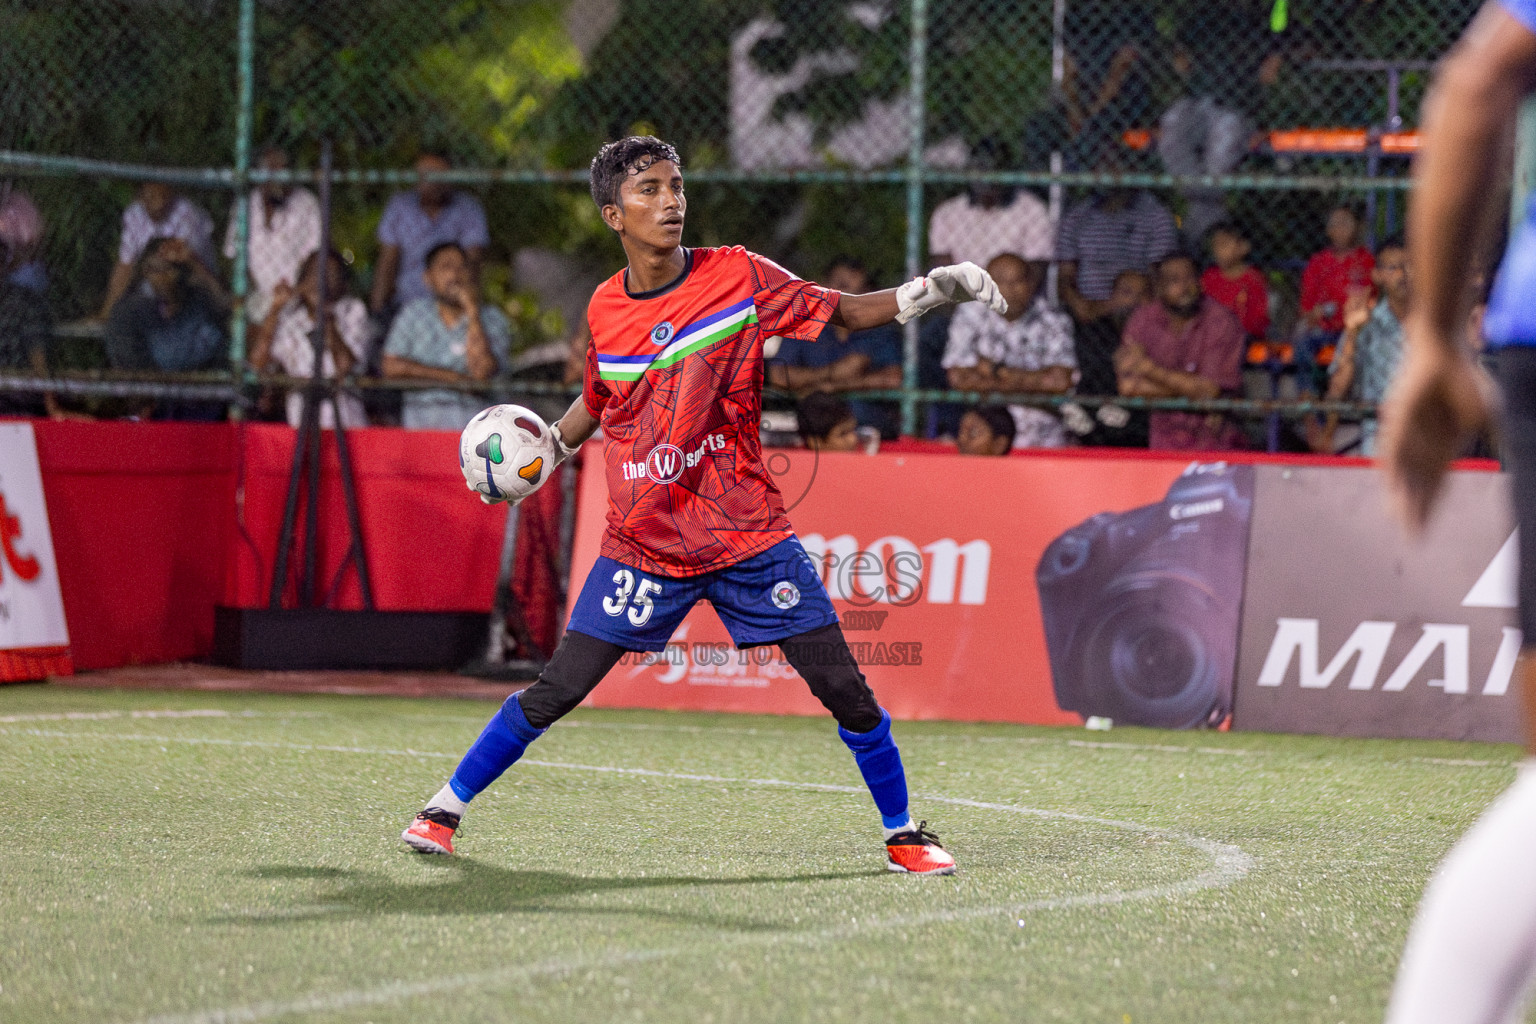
{"points": [[617, 160]]}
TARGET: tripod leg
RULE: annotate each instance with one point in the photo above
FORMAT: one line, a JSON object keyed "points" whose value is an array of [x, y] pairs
{"points": [[290, 515], [349, 493]]}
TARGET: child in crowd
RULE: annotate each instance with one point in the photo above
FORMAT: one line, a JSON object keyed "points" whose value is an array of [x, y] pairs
{"points": [[826, 423], [986, 430], [1232, 281], [1331, 274]]}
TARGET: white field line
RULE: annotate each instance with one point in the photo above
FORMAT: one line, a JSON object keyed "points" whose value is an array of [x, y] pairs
{"points": [[102, 716], [1228, 863]]}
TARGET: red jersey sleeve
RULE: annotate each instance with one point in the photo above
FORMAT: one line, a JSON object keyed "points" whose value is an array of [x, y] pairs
{"points": [[594, 391], [786, 305]]}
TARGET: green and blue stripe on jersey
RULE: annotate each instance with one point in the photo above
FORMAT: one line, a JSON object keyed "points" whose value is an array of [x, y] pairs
{"points": [[693, 338]]}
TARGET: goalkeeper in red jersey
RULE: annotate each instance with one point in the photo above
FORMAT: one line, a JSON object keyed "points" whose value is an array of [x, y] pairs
{"points": [[674, 376]]}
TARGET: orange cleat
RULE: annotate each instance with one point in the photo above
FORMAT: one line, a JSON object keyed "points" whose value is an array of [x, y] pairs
{"points": [[432, 831], [918, 852]]}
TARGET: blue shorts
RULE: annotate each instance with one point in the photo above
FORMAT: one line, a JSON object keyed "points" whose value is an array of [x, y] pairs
{"points": [[769, 597]]}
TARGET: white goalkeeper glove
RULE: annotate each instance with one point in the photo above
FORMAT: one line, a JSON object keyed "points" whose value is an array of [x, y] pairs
{"points": [[561, 451], [961, 282]]}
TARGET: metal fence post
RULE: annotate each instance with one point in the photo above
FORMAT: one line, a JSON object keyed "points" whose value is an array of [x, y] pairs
{"points": [[246, 95], [917, 106]]}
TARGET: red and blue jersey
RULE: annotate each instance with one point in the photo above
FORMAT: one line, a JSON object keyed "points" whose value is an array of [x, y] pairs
{"points": [[675, 377]]}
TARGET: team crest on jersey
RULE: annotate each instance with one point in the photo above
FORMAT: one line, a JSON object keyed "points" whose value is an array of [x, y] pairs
{"points": [[785, 595], [662, 333]]}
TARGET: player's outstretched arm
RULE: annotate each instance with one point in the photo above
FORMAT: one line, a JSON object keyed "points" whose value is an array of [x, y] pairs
{"points": [[1437, 401], [962, 282]]}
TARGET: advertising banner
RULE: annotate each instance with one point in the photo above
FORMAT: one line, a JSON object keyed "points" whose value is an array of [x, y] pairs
{"points": [[34, 640], [1351, 629], [932, 563]]}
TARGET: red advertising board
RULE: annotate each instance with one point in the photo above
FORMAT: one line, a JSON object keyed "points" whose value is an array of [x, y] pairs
{"points": [[155, 523], [942, 611]]}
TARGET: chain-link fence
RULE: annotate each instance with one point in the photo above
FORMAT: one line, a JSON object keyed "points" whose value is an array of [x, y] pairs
{"points": [[1093, 134]]}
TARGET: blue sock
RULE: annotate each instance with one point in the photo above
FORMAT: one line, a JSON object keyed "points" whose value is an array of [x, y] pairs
{"points": [[502, 742], [880, 763]]}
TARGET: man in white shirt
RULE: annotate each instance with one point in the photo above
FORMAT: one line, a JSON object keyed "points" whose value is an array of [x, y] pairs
{"points": [[1027, 349], [283, 340], [988, 220], [284, 229]]}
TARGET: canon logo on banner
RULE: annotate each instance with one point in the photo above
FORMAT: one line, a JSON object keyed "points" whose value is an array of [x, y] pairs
{"points": [[893, 570], [1495, 588]]}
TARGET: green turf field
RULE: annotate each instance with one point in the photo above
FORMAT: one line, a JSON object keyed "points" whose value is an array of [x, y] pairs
{"points": [[192, 857]]}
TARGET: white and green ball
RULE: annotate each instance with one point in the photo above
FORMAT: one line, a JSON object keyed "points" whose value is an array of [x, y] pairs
{"points": [[506, 453]]}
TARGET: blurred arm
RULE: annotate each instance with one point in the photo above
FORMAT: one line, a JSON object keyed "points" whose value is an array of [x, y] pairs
{"points": [[1466, 118]]}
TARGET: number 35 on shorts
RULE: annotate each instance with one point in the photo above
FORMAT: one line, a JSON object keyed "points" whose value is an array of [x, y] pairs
{"points": [[641, 606]]}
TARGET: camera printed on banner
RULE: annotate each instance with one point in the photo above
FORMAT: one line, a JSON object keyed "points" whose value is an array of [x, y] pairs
{"points": [[1142, 608]]}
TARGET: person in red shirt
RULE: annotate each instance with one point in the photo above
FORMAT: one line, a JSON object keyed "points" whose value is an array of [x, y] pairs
{"points": [[1333, 273], [1232, 281], [674, 376]]}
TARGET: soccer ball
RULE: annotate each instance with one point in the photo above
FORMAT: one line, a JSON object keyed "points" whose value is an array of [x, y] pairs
{"points": [[506, 453]]}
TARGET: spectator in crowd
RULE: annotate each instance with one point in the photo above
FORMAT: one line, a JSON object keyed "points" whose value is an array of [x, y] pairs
{"points": [[25, 328], [985, 430], [175, 324], [284, 338], [988, 219], [284, 229], [449, 337], [1333, 273], [1234, 282], [1228, 58], [158, 212], [826, 423], [1371, 347], [1097, 340], [1184, 345], [1027, 349], [21, 237], [1106, 75], [416, 223], [843, 360], [1114, 231]]}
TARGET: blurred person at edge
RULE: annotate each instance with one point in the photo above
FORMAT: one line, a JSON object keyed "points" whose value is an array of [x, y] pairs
{"points": [[284, 231], [284, 337], [417, 222], [174, 324], [985, 430], [450, 337], [21, 238], [1469, 956], [1184, 345], [158, 212], [25, 326]]}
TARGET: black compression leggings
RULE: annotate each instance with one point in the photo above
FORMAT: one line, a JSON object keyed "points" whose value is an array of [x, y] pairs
{"points": [[821, 657]]}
